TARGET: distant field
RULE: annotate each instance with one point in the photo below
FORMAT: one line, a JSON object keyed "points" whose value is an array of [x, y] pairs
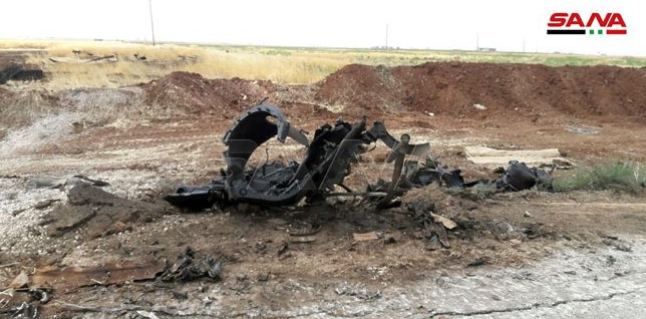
{"points": [[69, 62]]}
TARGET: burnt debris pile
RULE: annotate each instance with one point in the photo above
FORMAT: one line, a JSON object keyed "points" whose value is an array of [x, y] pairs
{"points": [[327, 162]]}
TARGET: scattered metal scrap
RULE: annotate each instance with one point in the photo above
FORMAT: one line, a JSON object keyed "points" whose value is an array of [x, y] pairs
{"points": [[187, 267], [26, 293], [18, 300], [22, 303], [327, 162], [519, 177], [435, 226]]}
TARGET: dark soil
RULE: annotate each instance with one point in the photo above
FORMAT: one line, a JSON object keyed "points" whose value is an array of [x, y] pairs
{"points": [[100, 213]]}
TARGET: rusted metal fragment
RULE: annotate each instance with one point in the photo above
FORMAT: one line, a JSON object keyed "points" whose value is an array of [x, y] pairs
{"points": [[68, 278]]}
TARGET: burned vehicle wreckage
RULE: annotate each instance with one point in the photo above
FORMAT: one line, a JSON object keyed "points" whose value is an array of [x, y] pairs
{"points": [[326, 163]]}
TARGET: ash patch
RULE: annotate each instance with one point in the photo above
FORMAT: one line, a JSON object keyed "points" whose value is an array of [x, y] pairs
{"points": [[46, 132]]}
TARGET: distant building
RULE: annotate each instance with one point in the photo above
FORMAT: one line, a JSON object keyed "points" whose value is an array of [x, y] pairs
{"points": [[487, 49]]}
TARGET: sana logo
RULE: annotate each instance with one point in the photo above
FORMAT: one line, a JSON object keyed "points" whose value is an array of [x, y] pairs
{"points": [[596, 23]]}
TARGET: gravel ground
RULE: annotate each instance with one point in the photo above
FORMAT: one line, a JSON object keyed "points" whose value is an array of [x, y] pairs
{"points": [[21, 207], [578, 281], [19, 230]]}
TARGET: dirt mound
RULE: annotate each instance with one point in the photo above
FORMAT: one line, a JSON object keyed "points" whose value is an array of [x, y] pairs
{"points": [[523, 89], [193, 94], [100, 213], [361, 88]]}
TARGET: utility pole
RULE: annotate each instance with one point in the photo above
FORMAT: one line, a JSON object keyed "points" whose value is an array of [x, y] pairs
{"points": [[386, 36], [523, 45], [477, 41], [152, 24]]}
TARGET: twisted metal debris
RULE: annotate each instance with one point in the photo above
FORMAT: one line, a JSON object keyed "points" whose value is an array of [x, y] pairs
{"points": [[325, 165]]}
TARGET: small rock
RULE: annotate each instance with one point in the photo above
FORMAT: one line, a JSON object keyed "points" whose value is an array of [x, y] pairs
{"points": [[241, 277], [390, 240], [145, 314], [120, 226], [618, 244], [44, 204], [18, 212], [282, 249], [527, 214], [207, 301], [477, 262], [263, 277], [180, 295], [623, 246], [504, 228], [515, 242], [433, 244], [479, 107]]}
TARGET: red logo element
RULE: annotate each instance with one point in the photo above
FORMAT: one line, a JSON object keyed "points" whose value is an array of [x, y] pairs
{"points": [[573, 23]]}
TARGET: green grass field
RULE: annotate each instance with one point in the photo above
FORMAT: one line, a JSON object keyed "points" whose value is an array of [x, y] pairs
{"points": [[412, 57]]}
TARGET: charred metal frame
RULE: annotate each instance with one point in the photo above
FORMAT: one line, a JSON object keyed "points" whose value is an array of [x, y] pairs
{"points": [[326, 164]]}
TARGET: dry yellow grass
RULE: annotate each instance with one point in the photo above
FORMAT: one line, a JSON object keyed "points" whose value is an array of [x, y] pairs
{"points": [[284, 65], [72, 70]]}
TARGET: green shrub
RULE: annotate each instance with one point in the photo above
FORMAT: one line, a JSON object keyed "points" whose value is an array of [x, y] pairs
{"points": [[617, 175]]}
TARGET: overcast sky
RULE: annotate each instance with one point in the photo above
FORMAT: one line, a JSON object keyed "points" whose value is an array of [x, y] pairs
{"points": [[504, 25]]}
